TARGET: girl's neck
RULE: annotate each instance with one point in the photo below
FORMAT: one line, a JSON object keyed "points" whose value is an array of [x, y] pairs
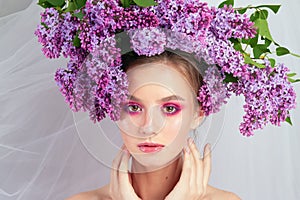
{"points": [[157, 184]]}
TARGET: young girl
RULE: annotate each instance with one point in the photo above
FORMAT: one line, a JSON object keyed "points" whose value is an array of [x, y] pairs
{"points": [[155, 121]]}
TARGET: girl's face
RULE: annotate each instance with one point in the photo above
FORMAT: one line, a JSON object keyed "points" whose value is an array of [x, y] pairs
{"points": [[161, 109]]}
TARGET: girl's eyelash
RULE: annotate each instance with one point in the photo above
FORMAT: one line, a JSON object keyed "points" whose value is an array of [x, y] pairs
{"points": [[175, 107], [129, 105]]}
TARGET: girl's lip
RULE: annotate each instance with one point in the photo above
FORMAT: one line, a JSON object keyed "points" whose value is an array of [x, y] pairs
{"points": [[147, 147]]}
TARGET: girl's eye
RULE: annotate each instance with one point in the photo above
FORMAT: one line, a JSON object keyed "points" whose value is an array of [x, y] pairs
{"points": [[133, 108], [170, 109]]}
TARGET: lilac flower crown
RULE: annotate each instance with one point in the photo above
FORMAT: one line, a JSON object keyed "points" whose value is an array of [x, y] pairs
{"points": [[86, 32]]}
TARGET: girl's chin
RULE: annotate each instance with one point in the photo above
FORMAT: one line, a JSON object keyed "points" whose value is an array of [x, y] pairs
{"points": [[142, 163]]}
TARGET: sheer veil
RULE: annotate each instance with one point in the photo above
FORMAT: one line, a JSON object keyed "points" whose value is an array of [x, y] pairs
{"points": [[42, 156]]}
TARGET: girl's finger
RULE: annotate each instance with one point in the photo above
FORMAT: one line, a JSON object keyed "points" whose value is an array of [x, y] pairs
{"points": [[186, 168], [206, 163], [123, 169], [197, 165], [115, 167]]}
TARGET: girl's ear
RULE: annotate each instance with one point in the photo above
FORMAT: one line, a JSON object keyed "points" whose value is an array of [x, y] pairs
{"points": [[198, 118]]}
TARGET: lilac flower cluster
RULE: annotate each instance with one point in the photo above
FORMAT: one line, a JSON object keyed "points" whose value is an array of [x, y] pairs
{"points": [[48, 31], [65, 79], [103, 67], [69, 28], [147, 41], [106, 55], [222, 53], [213, 93], [189, 17], [105, 18], [182, 41], [268, 95], [94, 81], [227, 23], [99, 22], [56, 34], [99, 86]]}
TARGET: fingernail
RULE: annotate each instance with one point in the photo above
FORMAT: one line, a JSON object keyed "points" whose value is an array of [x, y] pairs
{"points": [[126, 151], [190, 141], [187, 149], [208, 147]]}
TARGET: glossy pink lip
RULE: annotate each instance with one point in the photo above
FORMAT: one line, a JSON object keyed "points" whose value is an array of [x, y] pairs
{"points": [[147, 147]]}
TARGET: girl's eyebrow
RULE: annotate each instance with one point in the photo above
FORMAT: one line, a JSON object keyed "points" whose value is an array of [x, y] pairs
{"points": [[172, 97]]}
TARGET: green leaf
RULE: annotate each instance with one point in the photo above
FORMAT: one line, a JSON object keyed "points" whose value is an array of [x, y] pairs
{"points": [[280, 51], [236, 44], [259, 49], [57, 3], [125, 3], [288, 120], [272, 62], [229, 78], [79, 3], [76, 41], [242, 10], [263, 14], [44, 4], [79, 15], [227, 2], [71, 7], [75, 5], [263, 28], [253, 41], [291, 74], [293, 80], [238, 47], [254, 16], [267, 42], [249, 60], [274, 8], [145, 3]]}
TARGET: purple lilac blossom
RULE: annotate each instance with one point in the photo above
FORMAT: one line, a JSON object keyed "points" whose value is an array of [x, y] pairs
{"points": [[111, 92], [69, 29], [105, 55], [213, 93], [190, 17], [228, 23], [147, 41], [100, 21], [268, 95], [222, 53], [136, 17], [65, 79], [110, 82], [49, 33], [182, 41]]}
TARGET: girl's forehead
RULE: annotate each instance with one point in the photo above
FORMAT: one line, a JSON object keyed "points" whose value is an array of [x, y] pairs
{"points": [[158, 75]]}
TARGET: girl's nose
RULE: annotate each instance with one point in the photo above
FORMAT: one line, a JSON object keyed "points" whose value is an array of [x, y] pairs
{"points": [[152, 122]]}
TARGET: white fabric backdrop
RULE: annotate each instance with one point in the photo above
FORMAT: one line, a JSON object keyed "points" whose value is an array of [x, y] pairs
{"points": [[42, 157]]}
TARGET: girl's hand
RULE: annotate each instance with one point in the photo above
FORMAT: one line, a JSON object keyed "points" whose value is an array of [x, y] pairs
{"points": [[120, 186], [195, 173]]}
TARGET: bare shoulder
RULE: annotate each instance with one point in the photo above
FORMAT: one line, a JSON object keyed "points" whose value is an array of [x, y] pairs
{"points": [[218, 194], [98, 194]]}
